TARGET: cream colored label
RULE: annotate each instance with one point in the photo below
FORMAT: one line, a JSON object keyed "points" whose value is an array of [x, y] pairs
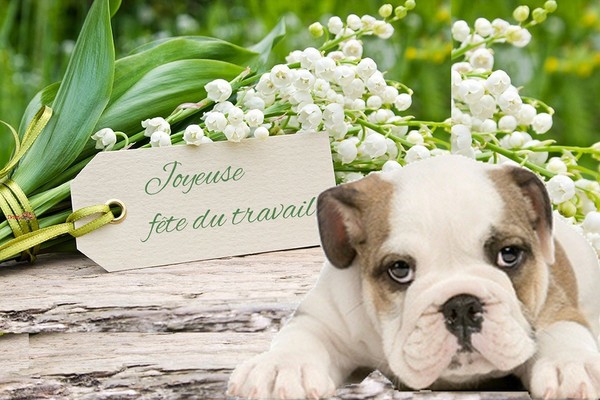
{"points": [[220, 199]]}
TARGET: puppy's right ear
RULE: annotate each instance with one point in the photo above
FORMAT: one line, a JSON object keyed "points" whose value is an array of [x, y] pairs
{"points": [[339, 223], [348, 214]]}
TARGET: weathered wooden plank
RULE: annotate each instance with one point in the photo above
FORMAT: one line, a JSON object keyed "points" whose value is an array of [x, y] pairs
{"points": [[72, 294], [160, 366], [173, 332]]}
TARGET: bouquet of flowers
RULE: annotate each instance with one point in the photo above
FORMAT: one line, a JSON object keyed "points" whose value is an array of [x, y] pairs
{"points": [[196, 90]]}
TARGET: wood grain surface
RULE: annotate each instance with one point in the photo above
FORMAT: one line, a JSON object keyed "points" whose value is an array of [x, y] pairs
{"points": [[73, 331]]}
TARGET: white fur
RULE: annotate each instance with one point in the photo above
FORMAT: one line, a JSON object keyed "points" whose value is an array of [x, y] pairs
{"points": [[337, 327]]}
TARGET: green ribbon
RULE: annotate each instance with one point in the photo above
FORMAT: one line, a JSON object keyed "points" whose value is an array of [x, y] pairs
{"points": [[18, 211], [33, 130], [33, 239]]}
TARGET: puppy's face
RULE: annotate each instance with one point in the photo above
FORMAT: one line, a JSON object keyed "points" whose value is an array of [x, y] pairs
{"points": [[453, 257]]}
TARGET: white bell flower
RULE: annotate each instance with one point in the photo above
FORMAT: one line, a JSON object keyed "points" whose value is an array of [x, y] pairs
{"points": [[376, 83], [383, 29], [488, 126], [374, 102], [281, 75], [215, 121], [160, 139], [526, 114], [470, 90], [261, 133], [497, 82], [335, 25], [507, 123], [309, 57], [560, 188], [265, 85], [483, 27], [355, 89], [391, 165], [304, 79], [310, 116], [254, 118], [218, 90], [375, 145], [500, 26], [105, 139], [542, 123], [366, 67], [403, 101], [414, 137], [482, 59], [155, 124], [235, 115], [325, 68], [389, 95], [343, 75], [347, 151], [353, 49], [193, 135], [237, 132], [353, 21], [509, 101], [460, 31], [591, 223], [556, 165], [417, 153], [517, 36]]}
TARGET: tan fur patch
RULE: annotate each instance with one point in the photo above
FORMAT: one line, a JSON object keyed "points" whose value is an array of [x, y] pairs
{"points": [[547, 294], [374, 197]]}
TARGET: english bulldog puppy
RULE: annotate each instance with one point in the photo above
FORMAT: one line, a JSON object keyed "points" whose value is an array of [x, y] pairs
{"points": [[443, 275]]}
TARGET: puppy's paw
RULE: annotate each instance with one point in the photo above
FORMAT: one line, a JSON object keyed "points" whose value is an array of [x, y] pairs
{"points": [[274, 375], [566, 376]]}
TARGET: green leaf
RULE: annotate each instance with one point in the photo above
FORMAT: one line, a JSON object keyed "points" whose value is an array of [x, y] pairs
{"points": [[154, 54], [81, 98], [163, 89], [265, 46], [7, 145], [43, 97]]}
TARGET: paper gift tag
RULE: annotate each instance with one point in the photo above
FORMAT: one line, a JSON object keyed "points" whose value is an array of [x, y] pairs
{"points": [[219, 199]]}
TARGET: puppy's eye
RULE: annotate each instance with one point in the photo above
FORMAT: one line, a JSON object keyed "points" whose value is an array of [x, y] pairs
{"points": [[401, 272], [509, 257]]}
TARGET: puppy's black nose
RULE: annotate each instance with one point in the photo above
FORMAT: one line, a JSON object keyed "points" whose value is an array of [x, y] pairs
{"points": [[463, 314]]}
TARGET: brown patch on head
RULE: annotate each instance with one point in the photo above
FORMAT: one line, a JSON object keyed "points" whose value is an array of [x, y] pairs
{"points": [[547, 293], [354, 223]]}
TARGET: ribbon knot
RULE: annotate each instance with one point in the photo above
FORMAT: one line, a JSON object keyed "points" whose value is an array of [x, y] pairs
{"points": [[13, 202]]}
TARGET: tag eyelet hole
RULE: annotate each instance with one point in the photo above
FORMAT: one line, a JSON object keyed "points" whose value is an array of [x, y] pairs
{"points": [[118, 203]]}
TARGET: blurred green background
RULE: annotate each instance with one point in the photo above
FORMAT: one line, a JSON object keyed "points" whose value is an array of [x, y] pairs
{"points": [[37, 36], [561, 65]]}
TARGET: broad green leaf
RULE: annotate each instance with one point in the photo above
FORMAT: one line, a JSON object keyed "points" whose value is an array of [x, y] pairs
{"points": [[80, 100], [132, 68], [265, 46], [44, 97], [163, 89], [114, 7]]}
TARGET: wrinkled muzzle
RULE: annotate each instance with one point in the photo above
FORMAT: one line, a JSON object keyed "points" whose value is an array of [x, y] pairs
{"points": [[428, 343]]}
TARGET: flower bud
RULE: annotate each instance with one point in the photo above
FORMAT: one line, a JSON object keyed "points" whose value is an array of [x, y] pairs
{"points": [[567, 209], [386, 10], [539, 15], [550, 6], [521, 13], [401, 11], [316, 29], [410, 4]]}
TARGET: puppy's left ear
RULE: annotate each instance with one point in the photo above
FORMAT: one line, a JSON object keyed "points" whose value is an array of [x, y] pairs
{"points": [[540, 207], [343, 213]]}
